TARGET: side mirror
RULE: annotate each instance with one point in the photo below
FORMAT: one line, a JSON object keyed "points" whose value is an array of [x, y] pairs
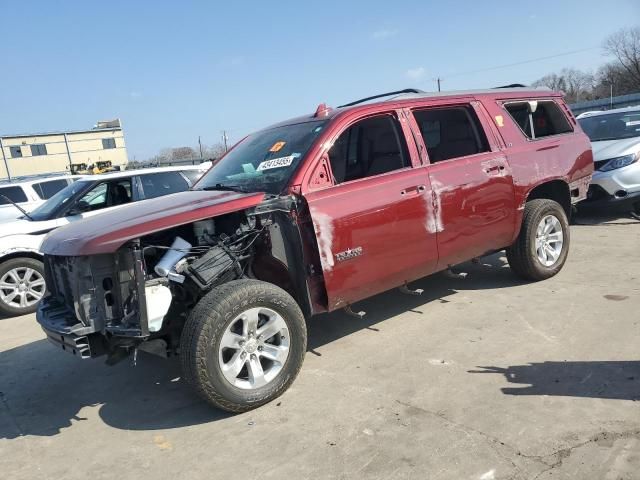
{"points": [[80, 207]]}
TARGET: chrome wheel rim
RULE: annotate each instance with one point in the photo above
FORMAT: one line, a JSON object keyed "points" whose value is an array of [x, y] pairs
{"points": [[549, 240], [21, 287], [254, 348]]}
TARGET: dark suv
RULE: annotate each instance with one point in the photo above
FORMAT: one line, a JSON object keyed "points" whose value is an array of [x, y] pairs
{"points": [[312, 215]]}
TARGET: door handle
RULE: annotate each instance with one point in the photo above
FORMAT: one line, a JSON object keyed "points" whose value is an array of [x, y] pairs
{"points": [[494, 169], [414, 189]]}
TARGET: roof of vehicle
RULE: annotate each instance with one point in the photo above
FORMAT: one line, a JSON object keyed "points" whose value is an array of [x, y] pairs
{"points": [[31, 179], [142, 171], [634, 108], [403, 98]]}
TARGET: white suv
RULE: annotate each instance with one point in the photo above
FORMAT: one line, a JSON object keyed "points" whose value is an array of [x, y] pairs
{"points": [[21, 270], [29, 193], [615, 139]]}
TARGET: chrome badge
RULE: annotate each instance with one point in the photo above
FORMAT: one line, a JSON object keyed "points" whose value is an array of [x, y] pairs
{"points": [[348, 254]]}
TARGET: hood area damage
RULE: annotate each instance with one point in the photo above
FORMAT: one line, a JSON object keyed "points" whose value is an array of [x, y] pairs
{"points": [[144, 291]]}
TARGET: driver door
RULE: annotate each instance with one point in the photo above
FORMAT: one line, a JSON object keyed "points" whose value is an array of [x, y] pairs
{"points": [[374, 226]]}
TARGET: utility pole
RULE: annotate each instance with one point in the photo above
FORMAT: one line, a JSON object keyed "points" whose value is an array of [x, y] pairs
{"points": [[4, 158], [200, 145], [438, 80], [611, 96], [224, 140]]}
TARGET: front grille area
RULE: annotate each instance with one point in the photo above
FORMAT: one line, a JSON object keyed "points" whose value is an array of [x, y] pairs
{"points": [[58, 275]]}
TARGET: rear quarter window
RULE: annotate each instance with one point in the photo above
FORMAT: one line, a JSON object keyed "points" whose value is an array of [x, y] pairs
{"points": [[163, 183], [15, 194], [46, 190], [547, 119]]}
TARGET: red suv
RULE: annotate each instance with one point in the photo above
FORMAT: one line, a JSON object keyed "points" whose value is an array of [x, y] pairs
{"points": [[312, 215]]}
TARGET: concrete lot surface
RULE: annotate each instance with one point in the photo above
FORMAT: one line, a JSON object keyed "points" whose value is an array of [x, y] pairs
{"points": [[480, 378]]}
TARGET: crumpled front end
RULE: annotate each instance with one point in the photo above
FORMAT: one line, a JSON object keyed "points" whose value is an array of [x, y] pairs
{"points": [[93, 302]]}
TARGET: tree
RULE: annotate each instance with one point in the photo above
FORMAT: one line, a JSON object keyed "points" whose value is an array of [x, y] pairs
{"points": [[624, 45], [576, 84]]}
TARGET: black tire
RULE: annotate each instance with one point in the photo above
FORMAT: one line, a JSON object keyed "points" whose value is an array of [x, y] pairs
{"points": [[203, 330], [10, 310], [522, 256]]}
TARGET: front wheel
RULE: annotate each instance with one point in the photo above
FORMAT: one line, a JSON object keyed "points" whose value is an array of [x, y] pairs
{"points": [[243, 344], [21, 286], [542, 246]]}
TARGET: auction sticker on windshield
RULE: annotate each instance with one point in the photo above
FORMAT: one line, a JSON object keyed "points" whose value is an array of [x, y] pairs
{"points": [[277, 162]]}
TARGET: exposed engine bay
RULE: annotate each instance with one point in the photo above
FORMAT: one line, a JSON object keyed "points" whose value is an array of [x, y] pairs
{"points": [[146, 290]]}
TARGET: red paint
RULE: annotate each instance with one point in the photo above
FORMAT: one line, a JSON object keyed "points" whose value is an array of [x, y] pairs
{"points": [[108, 231], [476, 200]]}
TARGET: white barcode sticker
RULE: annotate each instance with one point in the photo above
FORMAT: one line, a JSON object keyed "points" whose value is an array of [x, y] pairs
{"points": [[277, 162]]}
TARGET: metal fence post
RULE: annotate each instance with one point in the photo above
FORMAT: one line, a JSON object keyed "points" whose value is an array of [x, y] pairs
{"points": [[66, 143]]}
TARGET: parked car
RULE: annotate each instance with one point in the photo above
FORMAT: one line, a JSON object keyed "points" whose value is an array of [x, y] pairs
{"points": [[312, 215], [21, 270], [615, 138], [29, 193]]}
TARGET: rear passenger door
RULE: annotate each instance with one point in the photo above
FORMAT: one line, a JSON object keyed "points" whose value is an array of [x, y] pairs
{"points": [[472, 184], [372, 225]]}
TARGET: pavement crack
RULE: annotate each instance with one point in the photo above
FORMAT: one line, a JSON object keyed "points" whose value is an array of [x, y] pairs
{"points": [[550, 461]]}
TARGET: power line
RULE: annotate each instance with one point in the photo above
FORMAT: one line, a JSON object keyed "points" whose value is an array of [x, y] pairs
{"points": [[523, 62]]}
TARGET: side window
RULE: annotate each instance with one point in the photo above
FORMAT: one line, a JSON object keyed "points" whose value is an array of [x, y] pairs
{"points": [[546, 120], [15, 194], [163, 183], [46, 190], [107, 194], [108, 143], [370, 147], [451, 132]]}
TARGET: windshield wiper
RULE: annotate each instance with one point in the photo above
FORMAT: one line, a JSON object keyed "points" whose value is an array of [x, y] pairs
{"points": [[229, 188], [24, 212]]}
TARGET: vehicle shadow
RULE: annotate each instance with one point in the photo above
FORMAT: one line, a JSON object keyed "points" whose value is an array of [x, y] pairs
{"points": [[44, 391], [490, 272], [592, 217], [618, 380]]}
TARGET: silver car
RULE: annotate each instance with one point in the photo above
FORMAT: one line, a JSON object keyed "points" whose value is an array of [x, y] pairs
{"points": [[615, 139]]}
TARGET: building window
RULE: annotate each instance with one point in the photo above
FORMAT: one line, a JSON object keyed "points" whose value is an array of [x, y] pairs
{"points": [[108, 143], [39, 149], [16, 152]]}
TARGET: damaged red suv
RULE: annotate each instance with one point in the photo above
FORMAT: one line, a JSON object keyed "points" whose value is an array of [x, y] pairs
{"points": [[312, 215]]}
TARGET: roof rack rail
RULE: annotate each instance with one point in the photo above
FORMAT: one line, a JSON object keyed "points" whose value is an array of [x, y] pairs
{"points": [[512, 85], [397, 92]]}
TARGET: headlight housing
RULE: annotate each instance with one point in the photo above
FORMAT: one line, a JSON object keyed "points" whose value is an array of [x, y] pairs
{"points": [[620, 162]]}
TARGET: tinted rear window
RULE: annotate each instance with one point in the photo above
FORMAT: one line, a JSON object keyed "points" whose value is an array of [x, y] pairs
{"points": [[46, 190], [163, 183], [15, 194]]}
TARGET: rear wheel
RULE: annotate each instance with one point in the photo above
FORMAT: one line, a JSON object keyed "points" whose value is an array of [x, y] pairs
{"points": [[541, 249], [243, 344], [21, 286]]}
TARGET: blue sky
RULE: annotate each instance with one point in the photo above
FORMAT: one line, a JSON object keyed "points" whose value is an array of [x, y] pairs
{"points": [[175, 70]]}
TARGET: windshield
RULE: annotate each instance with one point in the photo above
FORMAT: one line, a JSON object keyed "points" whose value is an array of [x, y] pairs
{"points": [[614, 126], [50, 208], [264, 161]]}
